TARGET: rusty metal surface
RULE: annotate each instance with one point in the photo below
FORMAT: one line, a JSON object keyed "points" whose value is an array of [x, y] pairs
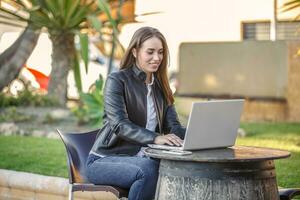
{"points": [[231, 154]]}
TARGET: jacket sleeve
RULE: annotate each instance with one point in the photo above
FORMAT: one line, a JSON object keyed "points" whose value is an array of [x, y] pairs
{"points": [[172, 124], [116, 111]]}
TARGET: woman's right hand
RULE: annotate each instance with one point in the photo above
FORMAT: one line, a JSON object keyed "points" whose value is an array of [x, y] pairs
{"points": [[170, 139]]}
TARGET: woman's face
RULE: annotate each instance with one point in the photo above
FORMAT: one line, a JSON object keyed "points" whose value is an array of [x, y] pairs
{"points": [[150, 55]]}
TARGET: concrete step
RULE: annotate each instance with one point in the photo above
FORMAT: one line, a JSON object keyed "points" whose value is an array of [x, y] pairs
{"points": [[16, 185]]}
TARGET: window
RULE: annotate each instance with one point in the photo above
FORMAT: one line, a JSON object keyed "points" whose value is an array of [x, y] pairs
{"points": [[286, 30]]}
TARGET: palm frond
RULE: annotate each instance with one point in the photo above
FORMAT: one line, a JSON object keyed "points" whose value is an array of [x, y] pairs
{"points": [[51, 7], [290, 5], [77, 76], [61, 5], [291, 2], [78, 18], [7, 16], [70, 10], [297, 17], [14, 14], [41, 19], [84, 49], [97, 24], [105, 8], [12, 24], [19, 4]]}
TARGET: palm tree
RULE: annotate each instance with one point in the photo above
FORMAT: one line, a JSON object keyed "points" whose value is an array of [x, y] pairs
{"points": [[13, 58], [63, 20]]}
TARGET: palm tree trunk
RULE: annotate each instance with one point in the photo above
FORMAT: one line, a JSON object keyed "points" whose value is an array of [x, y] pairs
{"points": [[13, 58], [63, 54]]}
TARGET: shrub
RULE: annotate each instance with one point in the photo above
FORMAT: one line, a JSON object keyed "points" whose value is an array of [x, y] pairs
{"points": [[91, 108], [26, 98]]}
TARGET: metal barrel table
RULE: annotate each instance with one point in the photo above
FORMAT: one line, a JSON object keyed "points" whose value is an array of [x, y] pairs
{"points": [[235, 173]]}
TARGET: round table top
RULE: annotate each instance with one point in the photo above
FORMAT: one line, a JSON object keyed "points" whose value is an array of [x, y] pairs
{"points": [[230, 154]]}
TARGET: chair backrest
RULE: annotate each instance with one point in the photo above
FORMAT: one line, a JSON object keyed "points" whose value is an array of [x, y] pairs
{"points": [[78, 146]]}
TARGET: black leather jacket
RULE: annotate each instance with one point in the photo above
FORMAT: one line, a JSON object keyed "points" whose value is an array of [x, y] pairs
{"points": [[125, 114]]}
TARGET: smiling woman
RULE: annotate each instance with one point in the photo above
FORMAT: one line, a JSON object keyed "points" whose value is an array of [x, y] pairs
{"points": [[138, 110], [149, 56]]}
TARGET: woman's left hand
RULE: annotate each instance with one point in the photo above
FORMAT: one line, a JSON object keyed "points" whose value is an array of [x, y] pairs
{"points": [[170, 139]]}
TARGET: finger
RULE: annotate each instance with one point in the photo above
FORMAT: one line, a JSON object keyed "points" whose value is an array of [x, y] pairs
{"points": [[175, 137], [172, 135], [180, 142], [169, 142], [177, 143], [174, 141]]}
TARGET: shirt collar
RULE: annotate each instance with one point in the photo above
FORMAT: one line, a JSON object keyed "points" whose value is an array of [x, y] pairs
{"points": [[152, 80]]}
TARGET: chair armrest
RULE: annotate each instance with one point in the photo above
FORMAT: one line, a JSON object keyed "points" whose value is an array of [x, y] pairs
{"points": [[288, 193]]}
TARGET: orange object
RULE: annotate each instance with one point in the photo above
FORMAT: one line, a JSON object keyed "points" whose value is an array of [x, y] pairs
{"points": [[41, 78]]}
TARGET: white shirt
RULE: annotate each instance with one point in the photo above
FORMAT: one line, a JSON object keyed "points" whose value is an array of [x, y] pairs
{"points": [[151, 114]]}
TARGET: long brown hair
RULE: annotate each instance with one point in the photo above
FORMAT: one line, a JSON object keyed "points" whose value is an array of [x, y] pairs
{"points": [[138, 38]]}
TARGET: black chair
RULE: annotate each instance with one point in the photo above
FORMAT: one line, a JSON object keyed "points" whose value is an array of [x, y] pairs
{"points": [[288, 194], [78, 146]]}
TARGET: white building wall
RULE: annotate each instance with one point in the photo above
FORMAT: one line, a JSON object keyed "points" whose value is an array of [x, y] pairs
{"points": [[200, 20]]}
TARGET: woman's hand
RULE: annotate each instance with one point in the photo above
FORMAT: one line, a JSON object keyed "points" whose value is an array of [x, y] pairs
{"points": [[170, 139]]}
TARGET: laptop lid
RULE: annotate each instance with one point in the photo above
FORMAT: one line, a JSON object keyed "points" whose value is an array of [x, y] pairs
{"points": [[213, 124]]}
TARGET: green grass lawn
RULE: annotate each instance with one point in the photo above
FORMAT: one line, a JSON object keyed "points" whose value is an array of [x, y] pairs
{"points": [[47, 156], [33, 154], [282, 136]]}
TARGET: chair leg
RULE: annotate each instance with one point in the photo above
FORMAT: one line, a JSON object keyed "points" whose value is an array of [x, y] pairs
{"points": [[70, 191]]}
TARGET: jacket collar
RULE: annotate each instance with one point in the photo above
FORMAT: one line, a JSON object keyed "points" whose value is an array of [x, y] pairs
{"points": [[139, 73]]}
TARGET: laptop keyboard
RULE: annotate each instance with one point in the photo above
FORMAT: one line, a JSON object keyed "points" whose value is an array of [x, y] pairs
{"points": [[167, 147]]}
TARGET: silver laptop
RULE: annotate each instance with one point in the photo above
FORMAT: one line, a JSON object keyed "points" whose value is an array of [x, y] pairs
{"points": [[212, 124]]}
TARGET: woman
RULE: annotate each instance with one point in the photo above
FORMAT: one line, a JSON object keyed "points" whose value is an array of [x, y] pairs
{"points": [[138, 110]]}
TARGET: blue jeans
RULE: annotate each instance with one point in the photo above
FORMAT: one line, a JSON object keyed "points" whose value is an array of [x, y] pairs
{"points": [[138, 174]]}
